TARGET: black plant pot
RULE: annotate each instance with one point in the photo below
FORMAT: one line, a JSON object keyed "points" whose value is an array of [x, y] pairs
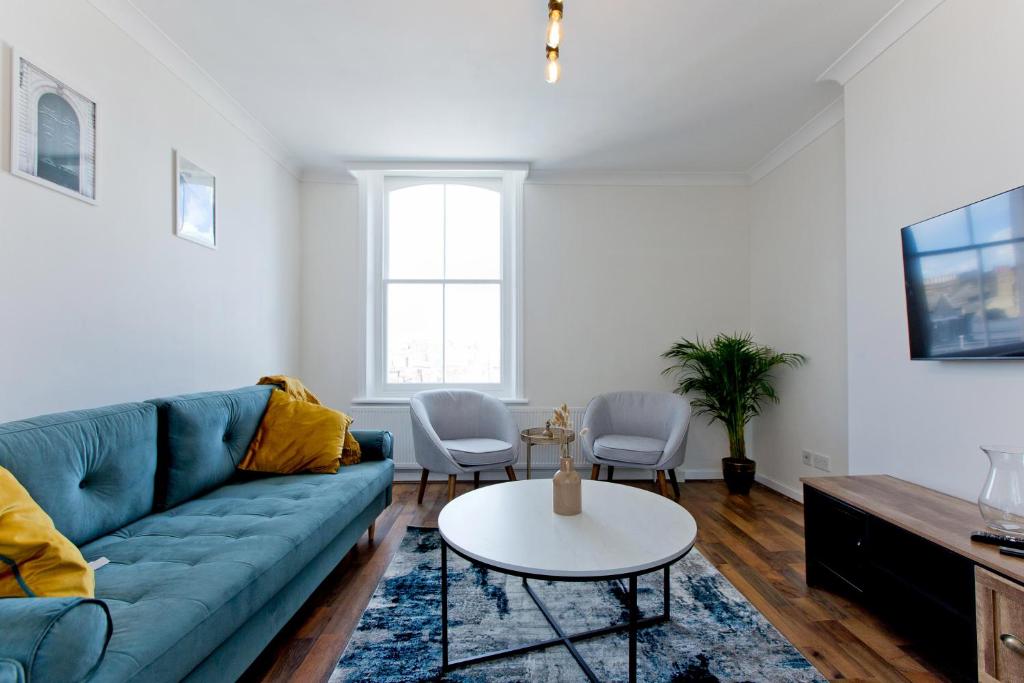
{"points": [[739, 474]]}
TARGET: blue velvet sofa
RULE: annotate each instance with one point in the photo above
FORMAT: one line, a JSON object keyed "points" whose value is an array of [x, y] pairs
{"points": [[206, 563]]}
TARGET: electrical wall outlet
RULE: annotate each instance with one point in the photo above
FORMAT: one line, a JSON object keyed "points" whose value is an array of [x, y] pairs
{"points": [[822, 462], [807, 458]]}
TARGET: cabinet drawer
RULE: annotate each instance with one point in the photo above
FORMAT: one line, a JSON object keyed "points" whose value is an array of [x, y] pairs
{"points": [[1000, 617]]}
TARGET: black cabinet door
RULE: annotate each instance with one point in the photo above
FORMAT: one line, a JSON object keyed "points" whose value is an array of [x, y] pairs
{"points": [[836, 538], [929, 592]]}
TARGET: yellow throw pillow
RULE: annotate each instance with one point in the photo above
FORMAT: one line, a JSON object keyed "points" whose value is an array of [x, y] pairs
{"points": [[296, 436], [351, 453], [36, 561]]}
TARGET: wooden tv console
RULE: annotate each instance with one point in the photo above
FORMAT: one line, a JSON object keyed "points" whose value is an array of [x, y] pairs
{"points": [[906, 551]]}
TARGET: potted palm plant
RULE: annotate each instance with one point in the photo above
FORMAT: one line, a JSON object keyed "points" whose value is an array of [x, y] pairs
{"points": [[731, 377]]}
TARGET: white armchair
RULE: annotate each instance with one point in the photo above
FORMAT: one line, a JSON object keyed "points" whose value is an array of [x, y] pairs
{"points": [[637, 429], [457, 431]]}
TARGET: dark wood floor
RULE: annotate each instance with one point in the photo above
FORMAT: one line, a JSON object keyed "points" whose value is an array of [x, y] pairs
{"points": [[757, 542]]}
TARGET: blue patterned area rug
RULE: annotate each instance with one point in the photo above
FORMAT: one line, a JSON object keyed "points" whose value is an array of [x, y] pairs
{"points": [[715, 634]]}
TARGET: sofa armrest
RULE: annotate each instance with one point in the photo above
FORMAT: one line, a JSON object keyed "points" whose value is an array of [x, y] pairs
{"points": [[53, 639], [11, 671], [374, 444]]}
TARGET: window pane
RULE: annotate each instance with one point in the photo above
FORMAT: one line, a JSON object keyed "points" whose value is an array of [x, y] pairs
{"points": [[473, 334], [473, 237], [944, 232], [416, 232], [1001, 294], [414, 333], [991, 220]]}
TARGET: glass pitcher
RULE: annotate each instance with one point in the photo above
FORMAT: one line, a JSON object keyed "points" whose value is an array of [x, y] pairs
{"points": [[1002, 497]]}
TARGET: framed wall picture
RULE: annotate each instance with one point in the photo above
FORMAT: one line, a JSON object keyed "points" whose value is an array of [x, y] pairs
{"points": [[53, 132], [195, 213]]}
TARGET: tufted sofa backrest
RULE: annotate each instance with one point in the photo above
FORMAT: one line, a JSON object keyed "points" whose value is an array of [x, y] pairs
{"points": [[202, 438], [91, 470]]}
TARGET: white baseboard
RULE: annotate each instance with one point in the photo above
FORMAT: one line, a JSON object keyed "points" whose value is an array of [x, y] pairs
{"points": [[406, 474], [702, 474], [787, 491]]}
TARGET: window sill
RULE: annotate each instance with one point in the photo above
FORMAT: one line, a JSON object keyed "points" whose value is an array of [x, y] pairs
{"points": [[398, 400]]}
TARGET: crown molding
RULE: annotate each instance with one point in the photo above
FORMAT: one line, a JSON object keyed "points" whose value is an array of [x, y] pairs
{"points": [[140, 28], [894, 25], [441, 167], [819, 124], [327, 176], [346, 175], [637, 178]]}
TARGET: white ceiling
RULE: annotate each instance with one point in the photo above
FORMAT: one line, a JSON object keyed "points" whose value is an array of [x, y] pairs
{"points": [[660, 85]]}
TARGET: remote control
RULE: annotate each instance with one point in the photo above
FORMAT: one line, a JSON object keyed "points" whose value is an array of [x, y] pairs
{"points": [[1013, 552], [998, 539]]}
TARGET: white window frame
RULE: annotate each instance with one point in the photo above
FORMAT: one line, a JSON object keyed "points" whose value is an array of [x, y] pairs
{"points": [[375, 181]]}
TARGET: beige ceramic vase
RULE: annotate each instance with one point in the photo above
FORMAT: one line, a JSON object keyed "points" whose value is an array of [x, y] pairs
{"points": [[568, 492]]}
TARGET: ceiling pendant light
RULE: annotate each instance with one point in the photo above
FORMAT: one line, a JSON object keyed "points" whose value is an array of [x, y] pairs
{"points": [[553, 71]]}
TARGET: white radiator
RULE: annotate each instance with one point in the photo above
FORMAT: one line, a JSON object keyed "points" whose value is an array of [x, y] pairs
{"points": [[395, 419]]}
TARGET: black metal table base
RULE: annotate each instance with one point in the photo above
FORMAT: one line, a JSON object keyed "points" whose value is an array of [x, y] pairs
{"points": [[566, 639]]}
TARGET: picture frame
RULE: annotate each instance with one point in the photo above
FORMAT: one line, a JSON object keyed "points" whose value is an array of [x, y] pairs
{"points": [[195, 202], [54, 131]]}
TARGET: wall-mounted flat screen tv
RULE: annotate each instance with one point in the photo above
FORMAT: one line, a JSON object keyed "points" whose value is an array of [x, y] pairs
{"points": [[964, 273]]}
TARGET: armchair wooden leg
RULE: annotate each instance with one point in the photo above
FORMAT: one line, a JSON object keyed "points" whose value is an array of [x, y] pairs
{"points": [[611, 472], [451, 486], [662, 484], [595, 472], [423, 486], [675, 482], [476, 480], [510, 472], [370, 530]]}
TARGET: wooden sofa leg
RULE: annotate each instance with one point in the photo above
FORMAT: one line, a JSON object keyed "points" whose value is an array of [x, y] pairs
{"points": [[476, 480], [662, 484], [423, 486], [611, 472], [510, 472], [451, 486], [372, 528], [595, 472], [675, 482]]}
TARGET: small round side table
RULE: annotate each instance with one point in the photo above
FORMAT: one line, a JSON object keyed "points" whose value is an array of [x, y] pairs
{"points": [[534, 436]]}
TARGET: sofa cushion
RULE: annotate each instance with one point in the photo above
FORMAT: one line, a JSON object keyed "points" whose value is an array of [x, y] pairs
{"points": [[181, 582], [90, 470], [639, 450], [202, 438], [478, 452]]}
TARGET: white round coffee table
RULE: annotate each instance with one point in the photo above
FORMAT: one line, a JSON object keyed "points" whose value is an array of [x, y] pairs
{"points": [[622, 533]]}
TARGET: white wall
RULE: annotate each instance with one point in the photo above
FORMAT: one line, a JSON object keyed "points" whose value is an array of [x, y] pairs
{"points": [[612, 276], [102, 303], [798, 303], [932, 124], [333, 332]]}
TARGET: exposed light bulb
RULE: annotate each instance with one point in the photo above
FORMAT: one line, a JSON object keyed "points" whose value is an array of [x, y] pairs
{"points": [[553, 71], [554, 28]]}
